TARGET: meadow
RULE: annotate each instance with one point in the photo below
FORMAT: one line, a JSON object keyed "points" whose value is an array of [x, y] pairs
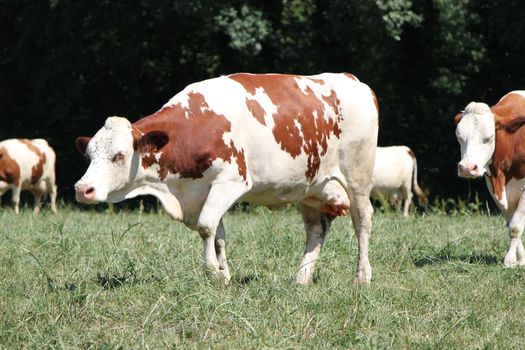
{"points": [[107, 280]]}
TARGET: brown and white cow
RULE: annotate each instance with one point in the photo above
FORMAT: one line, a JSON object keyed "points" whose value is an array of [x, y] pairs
{"points": [[28, 165], [493, 146], [267, 139], [395, 175]]}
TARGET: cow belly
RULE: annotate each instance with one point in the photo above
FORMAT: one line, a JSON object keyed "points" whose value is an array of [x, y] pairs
{"points": [[326, 191]]}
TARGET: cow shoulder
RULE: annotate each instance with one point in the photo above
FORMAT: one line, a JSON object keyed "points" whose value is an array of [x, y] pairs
{"points": [[9, 168]]}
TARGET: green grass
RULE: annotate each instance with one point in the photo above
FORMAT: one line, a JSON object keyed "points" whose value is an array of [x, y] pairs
{"points": [[90, 279]]}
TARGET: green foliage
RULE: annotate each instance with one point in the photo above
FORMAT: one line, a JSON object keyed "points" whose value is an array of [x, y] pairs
{"points": [[123, 280], [67, 65], [397, 13], [246, 28]]}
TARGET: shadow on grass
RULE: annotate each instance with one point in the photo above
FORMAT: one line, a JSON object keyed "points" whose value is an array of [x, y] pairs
{"points": [[481, 259], [245, 280], [109, 281]]}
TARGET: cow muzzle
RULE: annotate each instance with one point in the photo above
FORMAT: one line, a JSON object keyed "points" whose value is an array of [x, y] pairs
{"points": [[469, 170], [84, 193]]}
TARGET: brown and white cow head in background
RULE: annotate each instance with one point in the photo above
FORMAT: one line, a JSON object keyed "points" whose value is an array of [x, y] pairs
{"points": [[114, 154], [475, 132]]}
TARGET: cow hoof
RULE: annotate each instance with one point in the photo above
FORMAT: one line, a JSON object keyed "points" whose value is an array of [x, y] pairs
{"points": [[302, 279], [363, 275], [362, 281], [510, 262], [223, 277]]}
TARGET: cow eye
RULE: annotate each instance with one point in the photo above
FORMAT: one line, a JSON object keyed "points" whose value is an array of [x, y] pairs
{"points": [[487, 139], [118, 157]]}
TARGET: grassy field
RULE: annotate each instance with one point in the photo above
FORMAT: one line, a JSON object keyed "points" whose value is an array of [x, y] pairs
{"points": [[129, 280]]}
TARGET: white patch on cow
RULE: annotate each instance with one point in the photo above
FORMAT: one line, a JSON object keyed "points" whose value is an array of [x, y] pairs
{"points": [[303, 84], [25, 158], [182, 99], [476, 135], [395, 176], [269, 108]]}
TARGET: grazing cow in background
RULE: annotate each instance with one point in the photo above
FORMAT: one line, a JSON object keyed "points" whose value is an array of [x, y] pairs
{"points": [[28, 165], [267, 139], [492, 145], [395, 175]]}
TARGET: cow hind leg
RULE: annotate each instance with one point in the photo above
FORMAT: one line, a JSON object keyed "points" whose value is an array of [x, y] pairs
{"points": [[37, 195], [361, 212], [52, 191], [407, 197], [317, 225]]}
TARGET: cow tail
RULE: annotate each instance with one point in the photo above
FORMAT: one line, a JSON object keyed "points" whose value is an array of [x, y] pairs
{"points": [[421, 196]]}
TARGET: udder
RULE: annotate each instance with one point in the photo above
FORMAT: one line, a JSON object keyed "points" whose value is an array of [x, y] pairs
{"points": [[331, 199]]}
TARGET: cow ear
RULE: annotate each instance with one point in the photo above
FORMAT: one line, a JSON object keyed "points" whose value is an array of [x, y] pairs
{"points": [[510, 126], [457, 118], [81, 143], [152, 141]]}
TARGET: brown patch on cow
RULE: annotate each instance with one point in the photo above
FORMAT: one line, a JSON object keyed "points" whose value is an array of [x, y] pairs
{"points": [[510, 106], [295, 107], [148, 160], [508, 160], [351, 76], [9, 168], [38, 169], [317, 81], [195, 135], [256, 110], [241, 161]]}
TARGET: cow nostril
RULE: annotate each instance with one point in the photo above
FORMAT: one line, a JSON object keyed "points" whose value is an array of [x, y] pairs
{"points": [[475, 167], [90, 190]]}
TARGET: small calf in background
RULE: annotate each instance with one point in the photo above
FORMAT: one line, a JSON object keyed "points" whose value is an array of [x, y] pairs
{"points": [[28, 165], [395, 175]]}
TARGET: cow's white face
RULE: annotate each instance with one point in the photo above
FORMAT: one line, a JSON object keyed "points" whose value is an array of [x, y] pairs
{"points": [[113, 163], [475, 132]]}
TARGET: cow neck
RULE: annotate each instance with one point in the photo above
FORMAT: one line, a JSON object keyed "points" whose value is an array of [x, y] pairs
{"points": [[508, 159]]}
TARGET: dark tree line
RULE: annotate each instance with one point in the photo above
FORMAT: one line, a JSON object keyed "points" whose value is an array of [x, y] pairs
{"points": [[67, 65]]}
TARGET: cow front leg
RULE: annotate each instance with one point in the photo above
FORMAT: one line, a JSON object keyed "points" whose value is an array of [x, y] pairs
{"points": [[516, 254], [52, 190], [516, 223], [37, 195], [15, 198], [361, 211], [220, 251], [316, 225], [221, 197]]}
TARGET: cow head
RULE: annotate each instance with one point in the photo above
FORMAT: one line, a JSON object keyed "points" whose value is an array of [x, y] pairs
{"points": [[114, 154], [475, 132]]}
